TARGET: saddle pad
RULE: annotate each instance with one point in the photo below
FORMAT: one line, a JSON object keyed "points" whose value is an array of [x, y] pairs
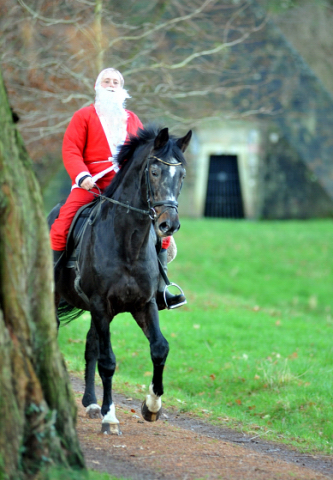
{"points": [[77, 228]]}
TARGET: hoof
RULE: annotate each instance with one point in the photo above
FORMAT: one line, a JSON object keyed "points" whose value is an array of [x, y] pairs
{"points": [[110, 429], [93, 411], [148, 415]]}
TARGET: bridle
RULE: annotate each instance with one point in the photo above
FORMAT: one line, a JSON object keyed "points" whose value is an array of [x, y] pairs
{"points": [[151, 212], [166, 203]]}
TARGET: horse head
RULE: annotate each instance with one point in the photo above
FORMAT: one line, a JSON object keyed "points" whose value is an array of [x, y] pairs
{"points": [[165, 173]]}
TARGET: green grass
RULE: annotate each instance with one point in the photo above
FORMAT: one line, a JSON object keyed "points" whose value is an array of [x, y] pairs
{"points": [[58, 473], [253, 348]]}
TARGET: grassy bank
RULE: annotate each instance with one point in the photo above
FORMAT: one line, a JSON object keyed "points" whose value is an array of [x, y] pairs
{"points": [[253, 346]]}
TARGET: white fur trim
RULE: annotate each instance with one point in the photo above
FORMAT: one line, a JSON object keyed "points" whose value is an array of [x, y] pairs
{"points": [[104, 172], [153, 402], [172, 250], [81, 175]]}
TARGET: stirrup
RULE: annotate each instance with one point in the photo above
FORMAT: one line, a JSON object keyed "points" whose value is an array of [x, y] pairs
{"points": [[181, 293]]}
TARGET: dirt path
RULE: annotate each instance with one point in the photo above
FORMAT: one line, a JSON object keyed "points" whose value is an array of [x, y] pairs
{"points": [[182, 447]]}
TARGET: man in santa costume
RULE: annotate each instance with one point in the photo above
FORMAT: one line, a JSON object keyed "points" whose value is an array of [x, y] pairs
{"points": [[91, 141]]}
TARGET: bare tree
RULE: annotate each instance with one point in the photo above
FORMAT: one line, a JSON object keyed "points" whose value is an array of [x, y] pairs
{"points": [[175, 57], [308, 26], [37, 410]]}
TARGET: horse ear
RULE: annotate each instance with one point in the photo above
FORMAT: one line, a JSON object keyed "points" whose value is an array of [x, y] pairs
{"points": [[161, 139], [183, 142]]}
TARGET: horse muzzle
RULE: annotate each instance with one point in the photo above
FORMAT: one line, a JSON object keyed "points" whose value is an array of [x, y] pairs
{"points": [[167, 223], [166, 228]]}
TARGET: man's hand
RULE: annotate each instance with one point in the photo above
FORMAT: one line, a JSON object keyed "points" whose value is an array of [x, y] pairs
{"points": [[87, 184]]}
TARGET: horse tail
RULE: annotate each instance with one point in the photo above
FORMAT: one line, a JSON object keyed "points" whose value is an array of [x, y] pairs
{"points": [[67, 313]]}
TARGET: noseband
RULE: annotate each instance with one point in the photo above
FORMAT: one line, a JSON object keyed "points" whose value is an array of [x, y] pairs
{"points": [[150, 194]]}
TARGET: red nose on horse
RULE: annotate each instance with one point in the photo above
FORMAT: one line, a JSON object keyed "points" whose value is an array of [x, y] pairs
{"points": [[117, 268]]}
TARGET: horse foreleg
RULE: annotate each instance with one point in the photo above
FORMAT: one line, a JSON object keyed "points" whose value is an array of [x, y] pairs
{"points": [[106, 367], [159, 348], [89, 399]]}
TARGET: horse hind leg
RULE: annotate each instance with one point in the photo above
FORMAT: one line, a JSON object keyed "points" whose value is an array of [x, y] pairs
{"points": [[106, 367], [89, 400], [56, 305]]}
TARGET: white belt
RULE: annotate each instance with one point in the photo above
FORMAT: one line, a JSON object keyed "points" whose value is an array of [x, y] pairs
{"points": [[103, 161], [102, 173]]}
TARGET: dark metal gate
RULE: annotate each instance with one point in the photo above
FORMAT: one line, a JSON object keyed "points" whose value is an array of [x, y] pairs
{"points": [[224, 197]]}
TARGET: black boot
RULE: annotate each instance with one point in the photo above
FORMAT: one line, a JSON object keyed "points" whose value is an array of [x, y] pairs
{"points": [[170, 301], [58, 263]]}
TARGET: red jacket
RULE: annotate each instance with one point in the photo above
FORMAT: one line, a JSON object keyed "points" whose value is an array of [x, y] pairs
{"points": [[85, 142]]}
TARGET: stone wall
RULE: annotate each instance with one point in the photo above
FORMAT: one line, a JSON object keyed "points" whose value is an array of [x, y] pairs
{"points": [[289, 188], [297, 180], [297, 102], [266, 81]]}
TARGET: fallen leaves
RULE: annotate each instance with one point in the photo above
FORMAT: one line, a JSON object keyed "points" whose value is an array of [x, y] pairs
{"points": [[293, 356]]}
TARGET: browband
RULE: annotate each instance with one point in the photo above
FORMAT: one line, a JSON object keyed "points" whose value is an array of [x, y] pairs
{"points": [[166, 163]]}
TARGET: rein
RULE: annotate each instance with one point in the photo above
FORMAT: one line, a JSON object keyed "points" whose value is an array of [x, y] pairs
{"points": [[126, 205], [151, 205]]}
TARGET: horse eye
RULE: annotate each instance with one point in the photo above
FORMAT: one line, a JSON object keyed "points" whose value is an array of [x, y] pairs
{"points": [[154, 172]]}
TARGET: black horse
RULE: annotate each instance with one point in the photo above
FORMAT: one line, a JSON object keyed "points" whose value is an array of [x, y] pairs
{"points": [[117, 266]]}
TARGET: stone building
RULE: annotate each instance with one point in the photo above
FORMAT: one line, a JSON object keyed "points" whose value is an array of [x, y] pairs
{"points": [[277, 164]]}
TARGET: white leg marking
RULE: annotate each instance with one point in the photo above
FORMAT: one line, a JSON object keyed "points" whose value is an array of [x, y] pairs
{"points": [[153, 402], [110, 417]]}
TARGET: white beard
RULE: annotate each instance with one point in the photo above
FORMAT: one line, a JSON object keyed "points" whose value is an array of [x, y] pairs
{"points": [[109, 105]]}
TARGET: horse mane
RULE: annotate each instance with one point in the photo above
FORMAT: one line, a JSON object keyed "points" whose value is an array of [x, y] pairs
{"points": [[142, 143]]}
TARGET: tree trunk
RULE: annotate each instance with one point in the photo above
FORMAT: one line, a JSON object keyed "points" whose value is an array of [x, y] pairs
{"points": [[99, 35], [37, 410]]}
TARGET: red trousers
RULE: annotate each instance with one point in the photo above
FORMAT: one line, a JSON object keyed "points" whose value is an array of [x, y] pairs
{"points": [[59, 230], [76, 199]]}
